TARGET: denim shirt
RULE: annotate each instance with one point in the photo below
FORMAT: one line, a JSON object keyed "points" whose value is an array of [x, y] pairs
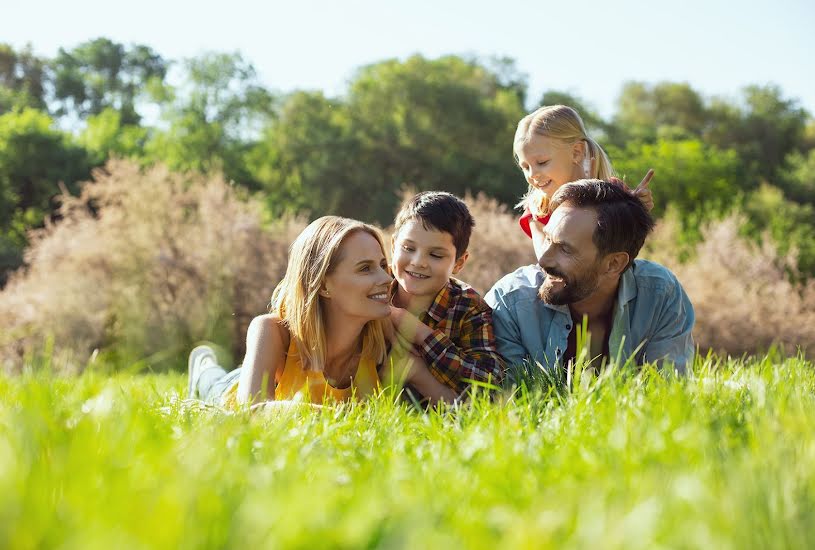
{"points": [[653, 319]]}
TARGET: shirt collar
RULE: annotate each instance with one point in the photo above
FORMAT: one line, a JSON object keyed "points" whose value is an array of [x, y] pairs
{"points": [[438, 309]]}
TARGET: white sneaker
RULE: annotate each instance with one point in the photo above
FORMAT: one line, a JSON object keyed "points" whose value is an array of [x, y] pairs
{"points": [[201, 358]]}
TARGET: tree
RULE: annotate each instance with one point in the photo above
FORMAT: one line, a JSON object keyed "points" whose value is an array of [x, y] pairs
{"points": [[764, 130], [433, 124], [214, 118], [105, 136], [698, 180], [671, 110], [797, 178], [307, 159], [101, 74], [34, 159], [22, 79], [428, 124]]}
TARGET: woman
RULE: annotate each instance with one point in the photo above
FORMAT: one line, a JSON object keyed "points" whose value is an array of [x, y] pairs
{"points": [[324, 335]]}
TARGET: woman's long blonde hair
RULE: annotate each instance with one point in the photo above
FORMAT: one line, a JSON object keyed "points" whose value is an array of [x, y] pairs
{"points": [[296, 300], [562, 123]]}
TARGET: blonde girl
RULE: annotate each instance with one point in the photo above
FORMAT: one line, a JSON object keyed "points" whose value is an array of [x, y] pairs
{"points": [[552, 148]]}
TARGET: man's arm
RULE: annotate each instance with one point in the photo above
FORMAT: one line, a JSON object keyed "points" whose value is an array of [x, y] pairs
{"points": [[507, 333], [672, 340]]}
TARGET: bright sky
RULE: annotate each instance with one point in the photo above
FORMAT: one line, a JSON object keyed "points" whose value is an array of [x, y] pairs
{"points": [[586, 47]]}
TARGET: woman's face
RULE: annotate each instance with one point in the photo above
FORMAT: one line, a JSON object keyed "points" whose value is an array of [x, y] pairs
{"points": [[358, 284], [549, 163]]}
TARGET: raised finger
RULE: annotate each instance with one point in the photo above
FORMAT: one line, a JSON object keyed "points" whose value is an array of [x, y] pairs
{"points": [[646, 180]]}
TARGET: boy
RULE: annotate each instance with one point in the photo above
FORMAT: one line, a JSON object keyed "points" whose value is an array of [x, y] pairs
{"points": [[439, 320]]}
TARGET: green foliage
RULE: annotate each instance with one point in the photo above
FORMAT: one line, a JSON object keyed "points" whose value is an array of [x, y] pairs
{"points": [[669, 110], [444, 123], [105, 136], [791, 225], [307, 160], [763, 131], [218, 111], [100, 74], [22, 79], [797, 177], [721, 460], [699, 181], [431, 124], [34, 159]]}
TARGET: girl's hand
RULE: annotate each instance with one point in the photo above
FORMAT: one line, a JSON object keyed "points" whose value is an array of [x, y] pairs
{"points": [[643, 193]]}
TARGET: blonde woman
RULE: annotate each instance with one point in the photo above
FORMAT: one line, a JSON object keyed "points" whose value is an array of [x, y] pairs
{"points": [[324, 336], [552, 148]]}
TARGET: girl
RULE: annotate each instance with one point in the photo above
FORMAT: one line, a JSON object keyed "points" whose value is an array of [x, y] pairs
{"points": [[324, 336], [552, 148]]}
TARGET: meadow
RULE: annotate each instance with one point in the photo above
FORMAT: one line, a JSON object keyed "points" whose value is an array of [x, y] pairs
{"points": [[722, 459]]}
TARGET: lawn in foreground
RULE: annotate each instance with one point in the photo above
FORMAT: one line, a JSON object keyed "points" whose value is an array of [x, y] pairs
{"points": [[723, 460]]}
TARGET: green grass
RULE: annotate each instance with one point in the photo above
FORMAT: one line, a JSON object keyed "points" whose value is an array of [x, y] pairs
{"points": [[723, 460]]}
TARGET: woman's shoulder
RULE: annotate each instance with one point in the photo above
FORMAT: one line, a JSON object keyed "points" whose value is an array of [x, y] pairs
{"points": [[271, 324]]}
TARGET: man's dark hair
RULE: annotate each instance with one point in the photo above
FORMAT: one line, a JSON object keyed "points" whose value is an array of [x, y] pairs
{"points": [[440, 211], [623, 222]]}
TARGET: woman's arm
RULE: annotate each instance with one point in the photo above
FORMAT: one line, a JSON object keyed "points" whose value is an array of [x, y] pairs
{"points": [[404, 367], [267, 341]]}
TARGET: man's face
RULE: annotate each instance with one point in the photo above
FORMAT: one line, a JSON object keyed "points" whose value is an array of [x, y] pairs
{"points": [[568, 255]]}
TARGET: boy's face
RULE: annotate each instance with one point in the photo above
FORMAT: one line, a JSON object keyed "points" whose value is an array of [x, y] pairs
{"points": [[423, 260]]}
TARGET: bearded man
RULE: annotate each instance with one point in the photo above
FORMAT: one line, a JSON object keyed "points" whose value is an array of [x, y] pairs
{"points": [[635, 309]]}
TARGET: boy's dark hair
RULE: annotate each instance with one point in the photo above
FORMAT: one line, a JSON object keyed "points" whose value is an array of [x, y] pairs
{"points": [[623, 222], [441, 211]]}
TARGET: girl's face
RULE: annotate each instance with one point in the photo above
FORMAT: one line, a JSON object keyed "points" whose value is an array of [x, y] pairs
{"points": [[359, 282], [549, 163]]}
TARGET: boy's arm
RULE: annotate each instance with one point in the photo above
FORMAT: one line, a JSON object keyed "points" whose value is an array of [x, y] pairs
{"points": [[472, 356]]}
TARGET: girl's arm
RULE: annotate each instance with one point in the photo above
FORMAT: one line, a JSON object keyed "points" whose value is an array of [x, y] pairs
{"points": [[267, 341]]}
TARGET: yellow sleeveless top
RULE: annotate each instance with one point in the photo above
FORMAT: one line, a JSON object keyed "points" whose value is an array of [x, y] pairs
{"points": [[297, 384]]}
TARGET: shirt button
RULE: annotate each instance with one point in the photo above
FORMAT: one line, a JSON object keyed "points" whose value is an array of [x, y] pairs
{"points": [[568, 327]]}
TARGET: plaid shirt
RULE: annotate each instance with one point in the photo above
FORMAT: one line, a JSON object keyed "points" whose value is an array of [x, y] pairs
{"points": [[462, 345]]}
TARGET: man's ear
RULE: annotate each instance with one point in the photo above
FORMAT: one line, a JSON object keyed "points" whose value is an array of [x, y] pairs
{"points": [[616, 262], [460, 261]]}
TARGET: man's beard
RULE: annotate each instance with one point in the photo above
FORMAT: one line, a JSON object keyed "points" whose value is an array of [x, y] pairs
{"points": [[573, 290]]}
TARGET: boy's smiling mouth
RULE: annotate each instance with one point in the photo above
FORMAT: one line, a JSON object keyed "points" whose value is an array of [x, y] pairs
{"points": [[417, 275]]}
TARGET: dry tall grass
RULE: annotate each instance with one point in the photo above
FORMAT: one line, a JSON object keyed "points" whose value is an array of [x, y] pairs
{"points": [[741, 292], [144, 264]]}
